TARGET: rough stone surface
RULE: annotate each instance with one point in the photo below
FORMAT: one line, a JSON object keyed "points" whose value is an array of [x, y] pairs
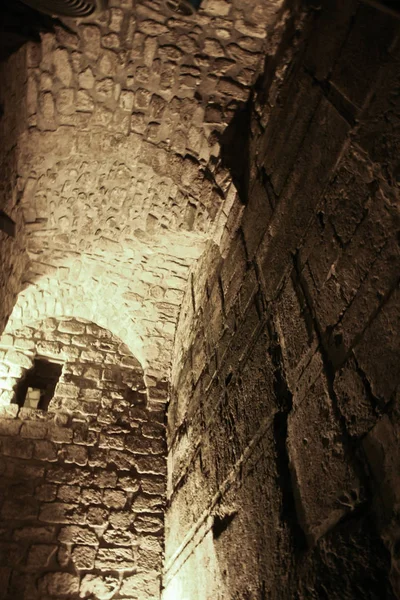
{"points": [[64, 486], [206, 219], [283, 420], [116, 161]]}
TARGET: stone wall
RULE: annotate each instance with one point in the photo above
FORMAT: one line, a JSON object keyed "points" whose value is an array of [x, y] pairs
{"points": [[12, 121], [82, 485], [283, 423], [117, 154]]}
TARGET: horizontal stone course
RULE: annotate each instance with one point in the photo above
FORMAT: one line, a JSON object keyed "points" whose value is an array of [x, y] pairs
{"points": [[284, 356], [72, 492]]}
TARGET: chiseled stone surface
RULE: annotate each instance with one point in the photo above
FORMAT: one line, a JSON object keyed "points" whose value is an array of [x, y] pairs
{"points": [[117, 171], [81, 511], [13, 257], [283, 423], [265, 311]]}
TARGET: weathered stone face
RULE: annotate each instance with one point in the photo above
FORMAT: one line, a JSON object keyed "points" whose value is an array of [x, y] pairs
{"points": [[14, 260], [284, 387], [83, 484], [118, 156], [241, 242]]}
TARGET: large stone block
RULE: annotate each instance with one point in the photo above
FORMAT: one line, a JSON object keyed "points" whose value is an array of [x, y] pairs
{"points": [[101, 587], [285, 133], [9, 427], [321, 147], [83, 557], [34, 430], [353, 401], [58, 512], [151, 465], [78, 535], [325, 41], [17, 447], [379, 353], [116, 559], [19, 509], [40, 556], [59, 584], [381, 450], [149, 524], [75, 454], [37, 534], [324, 479], [297, 337], [357, 68], [382, 454], [17, 358], [45, 450], [114, 498], [145, 585]]}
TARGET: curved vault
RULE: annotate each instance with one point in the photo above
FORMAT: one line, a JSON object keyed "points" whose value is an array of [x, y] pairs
{"points": [[143, 316], [119, 175], [64, 339], [89, 471]]}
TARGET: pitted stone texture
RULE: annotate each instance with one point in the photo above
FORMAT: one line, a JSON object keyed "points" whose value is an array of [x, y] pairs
{"points": [[283, 419], [72, 503], [72, 341], [109, 173], [120, 155], [143, 70], [137, 305], [135, 230]]}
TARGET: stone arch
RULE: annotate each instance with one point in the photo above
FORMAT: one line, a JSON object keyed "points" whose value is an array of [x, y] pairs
{"points": [[83, 484], [69, 340], [35, 304], [94, 163], [88, 108], [143, 317]]}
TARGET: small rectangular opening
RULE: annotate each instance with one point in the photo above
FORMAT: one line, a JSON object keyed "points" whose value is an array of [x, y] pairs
{"points": [[7, 224], [37, 388]]}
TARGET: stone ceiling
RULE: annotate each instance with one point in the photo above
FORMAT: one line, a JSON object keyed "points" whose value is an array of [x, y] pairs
{"points": [[119, 176]]}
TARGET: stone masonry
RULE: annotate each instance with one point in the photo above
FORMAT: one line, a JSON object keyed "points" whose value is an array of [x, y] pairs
{"points": [[82, 485], [117, 170], [283, 422], [206, 239]]}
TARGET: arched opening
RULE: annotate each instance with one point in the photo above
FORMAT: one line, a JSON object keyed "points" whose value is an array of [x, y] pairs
{"points": [[275, 356], [83, 472]]}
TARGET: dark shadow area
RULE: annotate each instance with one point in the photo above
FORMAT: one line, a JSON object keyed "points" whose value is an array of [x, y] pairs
{"points": [[37, 388], [19, 24], [221, 523], [235, 149], [351, 562]]}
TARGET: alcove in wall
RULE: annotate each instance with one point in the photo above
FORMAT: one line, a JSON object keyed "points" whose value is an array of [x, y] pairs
{"points": [[37, 387], [81, 508]]}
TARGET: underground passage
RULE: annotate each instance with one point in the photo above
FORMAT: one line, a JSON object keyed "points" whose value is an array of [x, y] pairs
{"points": [[199, 300]]}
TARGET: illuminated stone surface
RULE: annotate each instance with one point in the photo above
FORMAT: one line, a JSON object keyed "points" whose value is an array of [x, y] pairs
{"points": [[119, 178], [212, 205], [65, 514], [287, 346]]}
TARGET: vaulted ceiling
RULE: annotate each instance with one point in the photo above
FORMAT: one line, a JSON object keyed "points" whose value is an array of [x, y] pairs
{"points": [[116, 125]]}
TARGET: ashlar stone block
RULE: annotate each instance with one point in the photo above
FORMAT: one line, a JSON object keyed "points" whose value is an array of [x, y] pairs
{"points": [[83, 557], [78, 535], [40, 556], [143, 585], [59, 584], [117, 559], [100, 587], [325, 483]]}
